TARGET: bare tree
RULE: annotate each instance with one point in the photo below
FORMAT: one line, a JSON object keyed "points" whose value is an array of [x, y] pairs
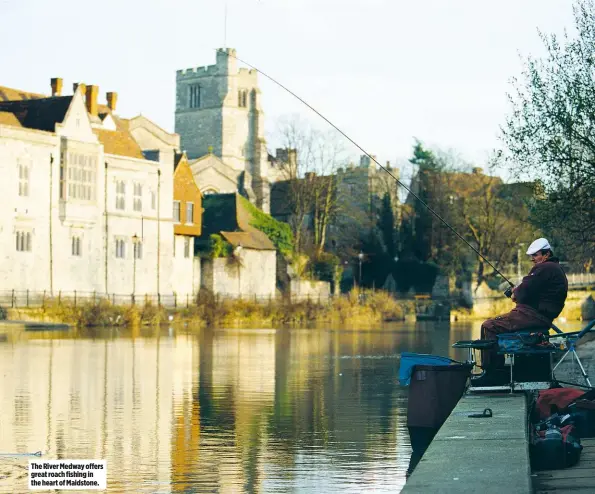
{"points": [[314, 197]]}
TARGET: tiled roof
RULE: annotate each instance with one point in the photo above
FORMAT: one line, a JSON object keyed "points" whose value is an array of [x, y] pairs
{"points": [[250, 240], [119, 141], [36, 111], [39, 114], [224, 214], [9, 94], [7, 118], [178, 159]]}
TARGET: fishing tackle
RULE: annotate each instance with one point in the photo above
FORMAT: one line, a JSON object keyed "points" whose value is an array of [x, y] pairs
{"points": [[427, 206]]}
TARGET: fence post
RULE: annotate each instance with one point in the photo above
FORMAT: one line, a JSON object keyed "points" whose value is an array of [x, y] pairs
{"points": [[27, 298], [94, 297], [113, 299], [12, 300], [175, 300], [75, 298], [187, 301], [60, 297], [159, 299], [43, 300], [132, 298]]}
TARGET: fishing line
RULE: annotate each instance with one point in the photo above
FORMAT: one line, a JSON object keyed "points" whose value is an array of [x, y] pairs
{"points": [[427, 206]]}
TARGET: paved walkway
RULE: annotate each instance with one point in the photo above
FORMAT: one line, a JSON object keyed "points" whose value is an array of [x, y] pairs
{"points": [[471, 455]]}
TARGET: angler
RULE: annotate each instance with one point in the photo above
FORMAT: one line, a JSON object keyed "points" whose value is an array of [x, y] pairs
{"points": [[539, 300]]}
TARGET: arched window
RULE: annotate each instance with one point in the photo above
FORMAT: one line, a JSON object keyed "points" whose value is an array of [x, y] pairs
{"points": [[23, 178], [194, 97], [76, 246], [242, 98], [23, 241]]}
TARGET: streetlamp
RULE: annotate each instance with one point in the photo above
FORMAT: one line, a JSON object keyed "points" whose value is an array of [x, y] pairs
{"points": [[236, 254], [360, 256], [134, 255]]}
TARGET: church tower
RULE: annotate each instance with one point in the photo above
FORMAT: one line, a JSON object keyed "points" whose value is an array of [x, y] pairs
{"points": [[218, 110]]}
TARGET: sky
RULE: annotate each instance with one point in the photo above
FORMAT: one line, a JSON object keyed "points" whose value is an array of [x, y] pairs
{"points": [[386, 72]]}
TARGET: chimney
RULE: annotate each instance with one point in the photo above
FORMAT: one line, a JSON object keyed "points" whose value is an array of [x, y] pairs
{"points": [[92, 92], [112, 99], [477, 171], [82, 86], [56, 86]]}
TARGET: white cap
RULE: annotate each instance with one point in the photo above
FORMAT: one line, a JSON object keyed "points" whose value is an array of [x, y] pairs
{"points": [[537, 245]]}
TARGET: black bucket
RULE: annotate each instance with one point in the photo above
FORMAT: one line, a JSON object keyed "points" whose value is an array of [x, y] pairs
{"points": [[434, 391]]}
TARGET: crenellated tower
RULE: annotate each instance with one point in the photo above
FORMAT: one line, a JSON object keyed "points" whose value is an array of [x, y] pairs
{"points": [[218, 110]]}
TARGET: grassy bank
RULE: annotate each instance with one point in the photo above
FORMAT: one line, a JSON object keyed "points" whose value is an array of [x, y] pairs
{"points": [[352, 309]]}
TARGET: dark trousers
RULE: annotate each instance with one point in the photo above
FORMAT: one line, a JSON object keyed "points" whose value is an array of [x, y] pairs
{"points": [[521, 318]]}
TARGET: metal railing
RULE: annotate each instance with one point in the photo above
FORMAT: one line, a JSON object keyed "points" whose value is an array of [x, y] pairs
{"points": [[37, 299], [581, 279]]}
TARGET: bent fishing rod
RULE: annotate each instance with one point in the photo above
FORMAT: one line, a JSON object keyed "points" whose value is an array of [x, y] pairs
{"points": [[427, 206]]}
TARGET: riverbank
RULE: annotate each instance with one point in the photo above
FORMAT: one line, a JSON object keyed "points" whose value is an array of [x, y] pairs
{"points": [[579, 306], [209, 311]]}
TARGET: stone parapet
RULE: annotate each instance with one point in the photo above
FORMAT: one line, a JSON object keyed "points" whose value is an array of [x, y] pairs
{"points": [[471, 455]]}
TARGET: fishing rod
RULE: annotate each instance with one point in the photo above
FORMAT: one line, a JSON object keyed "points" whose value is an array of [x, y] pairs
{"points": [[37, 453], [427, 206]]}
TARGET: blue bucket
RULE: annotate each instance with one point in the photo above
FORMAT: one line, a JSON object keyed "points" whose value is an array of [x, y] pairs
{"points": [[408, 360]]}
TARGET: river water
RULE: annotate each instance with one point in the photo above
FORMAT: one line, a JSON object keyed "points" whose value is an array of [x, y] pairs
{"points": [[230, 410]]}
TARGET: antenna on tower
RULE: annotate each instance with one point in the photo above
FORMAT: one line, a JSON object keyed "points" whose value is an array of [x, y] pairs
{"points": [[225, 26]]}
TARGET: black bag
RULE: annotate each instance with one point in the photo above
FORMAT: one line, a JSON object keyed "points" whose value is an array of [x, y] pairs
{"points": [[555, 448]]}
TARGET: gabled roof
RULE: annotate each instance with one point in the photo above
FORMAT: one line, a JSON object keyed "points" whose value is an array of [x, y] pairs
{"points": [[178, 159], [39, 114], [36, 111], [226, 215]]}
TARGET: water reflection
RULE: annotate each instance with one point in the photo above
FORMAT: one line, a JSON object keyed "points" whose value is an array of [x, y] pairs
{"points": [[221, 411]]}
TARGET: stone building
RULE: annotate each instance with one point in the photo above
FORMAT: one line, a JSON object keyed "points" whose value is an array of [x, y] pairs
{"points": [[220, 121], [83, 208], [187, 217], [250, 269], [358, 193]]}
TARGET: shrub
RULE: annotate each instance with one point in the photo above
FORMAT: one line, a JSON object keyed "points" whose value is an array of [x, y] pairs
{"points": [[279, 233]]}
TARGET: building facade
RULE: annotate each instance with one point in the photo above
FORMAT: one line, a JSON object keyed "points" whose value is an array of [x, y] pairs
{"points": [[83, 208]]}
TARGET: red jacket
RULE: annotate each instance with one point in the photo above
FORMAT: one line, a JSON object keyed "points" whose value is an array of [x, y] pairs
{"points": [[544, 289]]}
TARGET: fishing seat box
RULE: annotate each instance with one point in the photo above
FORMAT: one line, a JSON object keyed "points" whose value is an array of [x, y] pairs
{"points": [[433, 393]]}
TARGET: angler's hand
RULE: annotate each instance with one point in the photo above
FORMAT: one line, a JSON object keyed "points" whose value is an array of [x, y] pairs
{"points": [[509, 292]]}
